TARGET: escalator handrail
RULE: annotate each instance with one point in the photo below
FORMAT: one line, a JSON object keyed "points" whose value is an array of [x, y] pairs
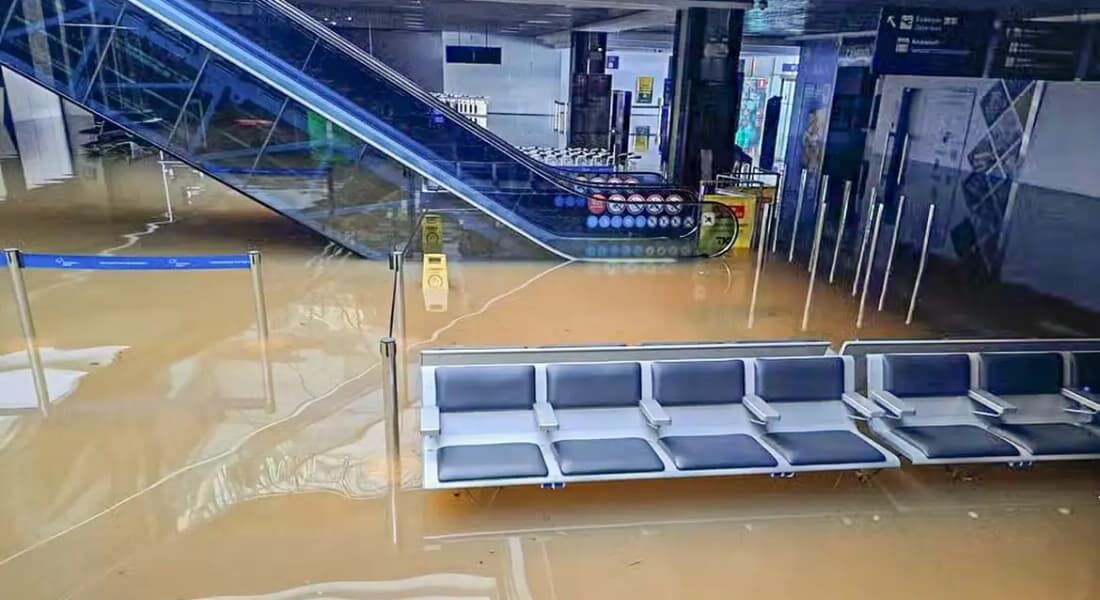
{"points": [[327, 35]]}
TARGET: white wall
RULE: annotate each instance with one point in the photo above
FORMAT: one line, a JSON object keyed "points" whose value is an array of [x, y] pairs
{"points": [[1065, 147], [527, 81]]}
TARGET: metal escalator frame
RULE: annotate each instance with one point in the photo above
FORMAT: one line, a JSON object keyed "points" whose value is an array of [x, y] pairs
{"points": [[175, 18], [325, 34]]}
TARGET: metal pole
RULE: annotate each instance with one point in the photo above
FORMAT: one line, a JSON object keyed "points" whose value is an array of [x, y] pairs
{"points": [[768, 208], [259, 302], [866, 228], [397, 264], [840, 228], [816, 245], [777, 212], [23, 307], [870, 266], [167, 191], [893, 248], [904, 159], [818, 229], [391, 413], [797, 214], [923, 263]]}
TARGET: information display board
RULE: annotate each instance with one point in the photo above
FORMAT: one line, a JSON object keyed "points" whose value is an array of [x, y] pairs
{"points": [[923, 41], [1037, 50]]}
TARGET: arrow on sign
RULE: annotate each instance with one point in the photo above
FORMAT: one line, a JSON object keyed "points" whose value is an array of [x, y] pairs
{"points": [[890, 21]]}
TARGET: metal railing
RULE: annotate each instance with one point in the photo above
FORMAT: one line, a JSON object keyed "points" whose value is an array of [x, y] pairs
{"points": [[17, 262]]}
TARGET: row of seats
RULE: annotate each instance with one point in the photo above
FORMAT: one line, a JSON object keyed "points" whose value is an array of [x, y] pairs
{"points": [[987, 407], [501, 425], [556, 423]]}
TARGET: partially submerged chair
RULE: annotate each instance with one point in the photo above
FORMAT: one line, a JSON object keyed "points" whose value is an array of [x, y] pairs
{"points": [[481, 429], [805, 410], [928, 415], [709, 427], [1024, 396], [594, 417]]}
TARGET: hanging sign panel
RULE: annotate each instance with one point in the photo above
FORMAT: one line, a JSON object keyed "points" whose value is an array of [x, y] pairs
{"points": [[1037, 50], [923, 41]]}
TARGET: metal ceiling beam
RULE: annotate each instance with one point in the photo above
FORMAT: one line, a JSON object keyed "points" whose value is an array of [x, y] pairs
{"points": [[662, 5]]}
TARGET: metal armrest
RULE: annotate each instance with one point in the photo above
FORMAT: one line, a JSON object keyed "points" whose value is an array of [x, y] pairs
{"points": [[545, 417], [1086, 399], [897, 407], [760, 409], [996, 405], [654, 413], [429, 420], [862, 406]]}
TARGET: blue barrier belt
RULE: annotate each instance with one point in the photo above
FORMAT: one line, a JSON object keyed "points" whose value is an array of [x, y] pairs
{"points": [[135, 263]]}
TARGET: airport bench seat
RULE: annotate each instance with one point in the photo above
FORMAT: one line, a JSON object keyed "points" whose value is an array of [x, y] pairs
{"points": [[805, 407], [929, 415], [709, 428], [1040, 413]]}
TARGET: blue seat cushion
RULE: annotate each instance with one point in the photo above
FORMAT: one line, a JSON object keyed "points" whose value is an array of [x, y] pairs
{"points": [[824, 447], [734, 451], [688, 383], [1055, 438], [797, 379], [459, 389], [605, 457], [916, 375], [1022, 373], [594, 385], [490, 461], [956, 441]]}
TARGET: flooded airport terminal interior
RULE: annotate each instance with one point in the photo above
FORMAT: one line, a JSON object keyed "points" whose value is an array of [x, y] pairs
{"points": [[525, 300]]}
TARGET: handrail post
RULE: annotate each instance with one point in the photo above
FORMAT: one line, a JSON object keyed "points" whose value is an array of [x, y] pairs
{"points": [[840, 228], [870, 264], [760, 251], [893, 248], [923, 262], [814, 254], [259, 303], [797, 214], [391, 415], [26, 323]]}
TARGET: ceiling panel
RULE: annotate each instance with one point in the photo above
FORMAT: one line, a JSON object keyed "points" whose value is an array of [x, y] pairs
{"points": [[780, 18]]}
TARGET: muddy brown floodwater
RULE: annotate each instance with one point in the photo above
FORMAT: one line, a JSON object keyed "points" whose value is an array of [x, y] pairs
{"points": [[162, 470]]}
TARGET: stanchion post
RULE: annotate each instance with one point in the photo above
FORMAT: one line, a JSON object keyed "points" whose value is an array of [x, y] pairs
{"points": [[818, 230], [870, 265], [26, 323], [392, 415], [777, 212], [923, 262], [768, 209], [815, 245], [259, 302], [893, 248], [866, 229], [841, 226], [797, 214]]}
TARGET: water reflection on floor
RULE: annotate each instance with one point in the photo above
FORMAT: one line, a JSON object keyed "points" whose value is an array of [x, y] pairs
{"points": [[164, 472]]}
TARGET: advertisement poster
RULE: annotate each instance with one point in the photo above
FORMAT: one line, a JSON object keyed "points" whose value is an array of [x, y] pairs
{"points": [[813, 99], [645, 90], [750, 126]]}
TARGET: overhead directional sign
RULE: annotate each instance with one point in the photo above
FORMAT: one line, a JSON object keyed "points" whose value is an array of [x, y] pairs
{"points": [[1037, 50], [922, 41]]}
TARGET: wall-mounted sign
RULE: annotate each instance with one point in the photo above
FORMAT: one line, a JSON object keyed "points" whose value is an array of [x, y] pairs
{"points": [[923, 41], [1037, 50], [645, 90], [612, 62]]}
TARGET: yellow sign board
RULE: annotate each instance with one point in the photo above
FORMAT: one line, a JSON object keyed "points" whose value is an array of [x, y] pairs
{"points": [[435, 282], [645, 90], [431, 234]]}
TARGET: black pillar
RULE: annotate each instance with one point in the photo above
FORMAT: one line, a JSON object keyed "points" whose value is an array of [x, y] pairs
{"points": [[707, 93], [589, 92]]}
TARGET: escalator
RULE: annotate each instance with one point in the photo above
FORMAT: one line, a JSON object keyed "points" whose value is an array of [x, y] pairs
{"points": [[260, 96]]}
